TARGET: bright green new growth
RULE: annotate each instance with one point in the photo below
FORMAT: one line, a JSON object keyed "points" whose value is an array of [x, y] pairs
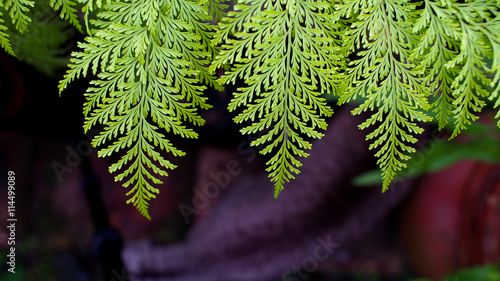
{"points": [[401, 59], [148, 56], [286, 54], [4, 37]]}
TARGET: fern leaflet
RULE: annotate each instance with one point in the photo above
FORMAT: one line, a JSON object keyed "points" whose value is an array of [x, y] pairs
{"points": [[439, 45], [287, 56], [4, 38], [19, 12], [469, 85], [386, 78], [68, 11], [145, 55]]}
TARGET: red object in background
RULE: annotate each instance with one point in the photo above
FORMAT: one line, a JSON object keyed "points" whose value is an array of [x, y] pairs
{"points": [[452, 220], [480, 216]]}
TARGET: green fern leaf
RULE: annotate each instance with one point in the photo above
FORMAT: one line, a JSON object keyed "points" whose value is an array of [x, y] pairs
{"points": [[148, 59], [386, 78], [90, 6], [19, 12], [486, 20], [469, 85], [217, 9], [4, 38], [68, 12], [439, 45], [198, 19], [287, 56]]}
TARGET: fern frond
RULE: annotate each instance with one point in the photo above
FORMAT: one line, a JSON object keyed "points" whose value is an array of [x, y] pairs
{"points": [[68, 11], [386, 78], [19, 13], [491, 31], [470, 83], [217, 9], [439, 45], [93, 5], [287, 56], [4, 38], [199, 19], [148, 60], [489, 26], [229, 26]]}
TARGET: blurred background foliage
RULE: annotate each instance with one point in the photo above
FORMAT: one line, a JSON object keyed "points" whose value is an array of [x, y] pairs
{"points": [[48, 43]]}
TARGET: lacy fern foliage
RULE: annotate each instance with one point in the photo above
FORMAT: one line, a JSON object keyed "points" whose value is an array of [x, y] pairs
{"points": [[287, 56], [461, 37], [148, 58], [401, 61], [386, 78], [408, 53], [19, 15]]}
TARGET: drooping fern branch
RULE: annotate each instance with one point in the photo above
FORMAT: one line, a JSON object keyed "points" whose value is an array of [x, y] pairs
{"points": [[152, 58], [4, 37], [148, 59], [68, 11], [469, 86], [449, 61], [438, 45], [287, 55], [18, 11], [386, 78], [459, 39]]}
